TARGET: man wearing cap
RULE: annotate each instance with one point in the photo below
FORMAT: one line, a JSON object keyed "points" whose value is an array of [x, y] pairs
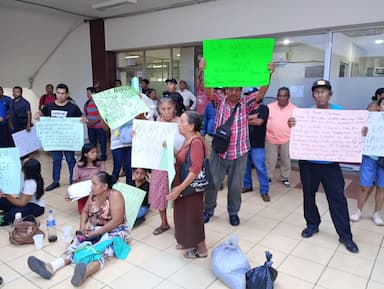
{"points": [[233, 159], [172, 93], [278, 135], [329, 174], [257, 123]]}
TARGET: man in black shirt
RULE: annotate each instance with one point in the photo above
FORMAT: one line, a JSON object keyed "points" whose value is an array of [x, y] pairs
{"points": [[62, 107], [172, 93], [257, 123]]}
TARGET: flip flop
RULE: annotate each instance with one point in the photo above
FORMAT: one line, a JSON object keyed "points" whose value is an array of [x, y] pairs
{"points": [[160, 230], [194, 254], [39, 267], [79, 274]]}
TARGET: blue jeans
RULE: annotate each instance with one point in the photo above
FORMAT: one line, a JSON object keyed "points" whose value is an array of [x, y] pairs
{"points": [[122, 159], [95, 134], [57, 157], [142, 211], [257, 156]]}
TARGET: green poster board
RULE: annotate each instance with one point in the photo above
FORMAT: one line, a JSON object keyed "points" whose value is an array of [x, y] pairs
{"points": [[237, 62]]}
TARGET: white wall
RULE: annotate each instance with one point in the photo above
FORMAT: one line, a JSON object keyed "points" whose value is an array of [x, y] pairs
{"points": [[228, 18], [29, 35]]}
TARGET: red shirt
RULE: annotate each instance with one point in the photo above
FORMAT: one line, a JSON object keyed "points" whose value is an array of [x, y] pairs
{"points": [[46, 98]]}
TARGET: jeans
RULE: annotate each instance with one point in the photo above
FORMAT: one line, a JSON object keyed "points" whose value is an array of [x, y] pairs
{"points": [[57, 157], [122, 159], [257, 156], [95, 134], [142, 211]]}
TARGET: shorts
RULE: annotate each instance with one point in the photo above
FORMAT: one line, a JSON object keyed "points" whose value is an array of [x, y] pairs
{"points": [[370, 172]]}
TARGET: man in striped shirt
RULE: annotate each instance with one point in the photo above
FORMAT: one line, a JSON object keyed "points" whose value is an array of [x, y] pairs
{"points": [[95, 124], [233, 160]]}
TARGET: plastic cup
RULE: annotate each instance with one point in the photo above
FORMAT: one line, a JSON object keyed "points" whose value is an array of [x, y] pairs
{"points": [[67, 233], [38, 239]]}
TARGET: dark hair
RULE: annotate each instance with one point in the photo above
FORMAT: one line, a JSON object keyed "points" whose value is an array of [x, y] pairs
{"points": [[149, 90], [377, 93], [83, 159], [194, 118], [32, 171], [146, 81], [49, 85], [165, 99], [19, 88], [62, 86], [92, 89], [183, 82], [106, 178], [284, 88], [380, 101]]}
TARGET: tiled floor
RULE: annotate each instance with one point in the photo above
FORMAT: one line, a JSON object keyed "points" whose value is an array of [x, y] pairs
{"points": [[319, 262]]}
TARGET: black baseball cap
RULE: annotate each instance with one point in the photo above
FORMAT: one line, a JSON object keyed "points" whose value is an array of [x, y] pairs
{"points": [[321, 83], [171, 80]]}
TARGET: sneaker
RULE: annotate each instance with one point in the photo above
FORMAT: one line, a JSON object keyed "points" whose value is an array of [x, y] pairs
{"points": [[286, 183], [349, 245], [377, 219], [234, 220], [269, 180], [356, 216], [308, 232], [52, 187], [265, 197], [246, 190]]}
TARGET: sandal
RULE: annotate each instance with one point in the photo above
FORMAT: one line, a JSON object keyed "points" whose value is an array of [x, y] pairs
{"points": [[39, 267], [194, 254], [160, 230], [79, 274]]}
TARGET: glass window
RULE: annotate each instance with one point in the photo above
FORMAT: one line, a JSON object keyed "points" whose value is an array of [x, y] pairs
{"points": [[130, 64], [357, 66], [299, 62], [176, 54], [157, 68]]}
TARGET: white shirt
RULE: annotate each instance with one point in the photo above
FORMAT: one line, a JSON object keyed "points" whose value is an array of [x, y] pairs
{"points": [[30, 188], [188, 97]]}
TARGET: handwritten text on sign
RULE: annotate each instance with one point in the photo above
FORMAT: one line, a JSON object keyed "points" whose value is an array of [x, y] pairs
{"points": [[237, 62], [61, 133], [119, 105], [147, 145], [328, 135], [26, 141], [10, 170], [374, 141]]}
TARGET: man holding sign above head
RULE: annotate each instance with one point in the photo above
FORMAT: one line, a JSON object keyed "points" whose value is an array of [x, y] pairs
{"points": [[329, 174], [61, 107], [230, 144]]}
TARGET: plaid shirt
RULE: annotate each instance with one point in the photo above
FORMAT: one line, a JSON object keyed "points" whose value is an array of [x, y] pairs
{"points": [[239, 142]]}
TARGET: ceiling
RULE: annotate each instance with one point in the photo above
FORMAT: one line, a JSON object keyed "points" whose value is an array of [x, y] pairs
{"points": [[83, 8]]}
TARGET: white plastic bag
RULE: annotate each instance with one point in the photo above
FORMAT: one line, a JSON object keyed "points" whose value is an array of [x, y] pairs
{"points": [[229, 264]]}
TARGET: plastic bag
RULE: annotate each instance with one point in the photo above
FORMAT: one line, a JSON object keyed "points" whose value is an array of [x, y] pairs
{"points": [[262, 277], [229, 264]]}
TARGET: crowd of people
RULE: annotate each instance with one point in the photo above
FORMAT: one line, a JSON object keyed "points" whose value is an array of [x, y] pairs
{"points": [[259, 135]]}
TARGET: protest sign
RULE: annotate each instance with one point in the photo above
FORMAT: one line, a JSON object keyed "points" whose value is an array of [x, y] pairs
{"points": [[119, 105], [148, 142], [328, 135], [237, 62], [61, 133], [26, 141], [374, 141], [133, 198], [10, 170]]}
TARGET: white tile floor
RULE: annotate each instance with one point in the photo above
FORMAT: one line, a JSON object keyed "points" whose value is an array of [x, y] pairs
{"points": [[319, 262]]}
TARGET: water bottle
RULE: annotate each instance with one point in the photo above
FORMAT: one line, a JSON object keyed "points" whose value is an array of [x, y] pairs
{"points": [[51, 227], [135, 83], [18, 217]]}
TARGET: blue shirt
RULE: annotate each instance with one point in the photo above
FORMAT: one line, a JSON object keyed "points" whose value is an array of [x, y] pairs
{"points": [[209, 118], [6, 102], [331, 106]]}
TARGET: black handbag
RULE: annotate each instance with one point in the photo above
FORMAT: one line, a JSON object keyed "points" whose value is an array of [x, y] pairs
{"points": [[203, 181], [222, 134]]}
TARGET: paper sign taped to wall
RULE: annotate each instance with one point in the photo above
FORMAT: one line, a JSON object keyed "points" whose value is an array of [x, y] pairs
{"points": [[61, 133], [119, 105], [237, 62], [10, 170], [374, 141], [328, 135], [26, 141]]}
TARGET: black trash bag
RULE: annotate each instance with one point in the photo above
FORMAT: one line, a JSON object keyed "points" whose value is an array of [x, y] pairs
{"points": [[262, 277]]}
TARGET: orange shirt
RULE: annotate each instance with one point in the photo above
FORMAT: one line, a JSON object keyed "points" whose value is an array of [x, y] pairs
{"points": [[278, 131]]}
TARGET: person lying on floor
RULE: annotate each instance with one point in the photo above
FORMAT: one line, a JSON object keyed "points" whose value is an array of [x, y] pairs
{"points": [[102, 224]]}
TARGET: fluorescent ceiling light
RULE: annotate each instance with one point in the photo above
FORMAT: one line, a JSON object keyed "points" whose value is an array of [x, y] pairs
{"points": [[379, 41], [131, 56], [286, 41], [178, 54], [111, 4]]}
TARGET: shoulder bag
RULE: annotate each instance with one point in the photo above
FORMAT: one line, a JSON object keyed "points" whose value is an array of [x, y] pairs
{"points": [[24, 231]]}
